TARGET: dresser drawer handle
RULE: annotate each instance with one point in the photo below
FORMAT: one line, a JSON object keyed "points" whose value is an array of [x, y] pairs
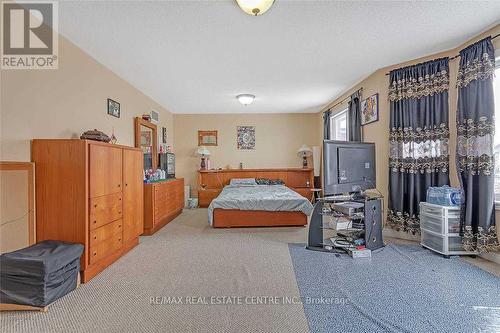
{"points": [[95, 253], [120, 199], [119, 239], [119, 225], [119, 212], [126, 184], [95, 237], [95, 222], [95, 205], [119, 185]]}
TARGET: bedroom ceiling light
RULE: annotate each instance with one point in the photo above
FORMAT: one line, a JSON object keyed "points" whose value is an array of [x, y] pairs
{"points": [[255, 7], [245, 99]]}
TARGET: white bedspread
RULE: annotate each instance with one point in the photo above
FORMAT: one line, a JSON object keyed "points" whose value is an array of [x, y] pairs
{"points": [[260, 197]]}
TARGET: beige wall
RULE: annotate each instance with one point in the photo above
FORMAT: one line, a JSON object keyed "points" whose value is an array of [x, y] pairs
{"points": [[65, 102], [14, 210], [61, 103], [378, 132], [278, 137]]}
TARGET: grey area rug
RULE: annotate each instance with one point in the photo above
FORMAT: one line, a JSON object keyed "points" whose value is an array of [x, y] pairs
{"points": [[186, 259], [402, 288]]}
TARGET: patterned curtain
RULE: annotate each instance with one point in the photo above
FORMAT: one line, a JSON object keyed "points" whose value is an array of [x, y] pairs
{"points": [[476, 126], [419, 137], [354, 115], [326, 124]]}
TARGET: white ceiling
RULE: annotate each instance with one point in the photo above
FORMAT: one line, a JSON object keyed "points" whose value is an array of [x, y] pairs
{"points": [[196, 56]]}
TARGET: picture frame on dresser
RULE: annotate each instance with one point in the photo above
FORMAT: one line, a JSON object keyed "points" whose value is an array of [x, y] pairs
{"points": [[164, 135]]}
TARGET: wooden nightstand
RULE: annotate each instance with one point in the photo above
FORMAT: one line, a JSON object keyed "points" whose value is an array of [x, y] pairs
{"points": [[205, 197], [303, 191]]}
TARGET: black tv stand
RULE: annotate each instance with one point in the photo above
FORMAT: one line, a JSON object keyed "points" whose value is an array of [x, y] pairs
{"points": [[372, 217], [359, 196]]}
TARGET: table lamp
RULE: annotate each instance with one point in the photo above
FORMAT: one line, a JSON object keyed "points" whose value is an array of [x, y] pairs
{"points": [[304, 152], [203, 151]]}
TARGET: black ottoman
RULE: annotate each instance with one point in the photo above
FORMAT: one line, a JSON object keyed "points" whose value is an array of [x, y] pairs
{"points": [[40, 274]]}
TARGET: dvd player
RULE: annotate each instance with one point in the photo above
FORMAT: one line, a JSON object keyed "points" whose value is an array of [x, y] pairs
{"points": [[348, 208]]}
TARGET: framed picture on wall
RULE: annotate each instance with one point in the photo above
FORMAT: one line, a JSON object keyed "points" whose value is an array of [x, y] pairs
{"points": [[207, 138], [369, 110], [245, 136], [164, 135], [113, 108]]}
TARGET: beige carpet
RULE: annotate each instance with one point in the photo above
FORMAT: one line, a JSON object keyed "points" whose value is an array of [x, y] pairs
{"points": [[184, 259], [187, 258]]}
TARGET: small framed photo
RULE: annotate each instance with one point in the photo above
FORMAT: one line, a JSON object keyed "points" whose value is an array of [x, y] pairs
{"points": [[113, 108], [164, 135], [369, 110], [207, 138]]}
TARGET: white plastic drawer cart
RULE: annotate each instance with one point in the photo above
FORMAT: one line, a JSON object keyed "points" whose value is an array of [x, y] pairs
{"points": [[440, 227]]}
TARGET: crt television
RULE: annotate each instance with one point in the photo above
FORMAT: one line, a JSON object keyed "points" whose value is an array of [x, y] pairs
{"points": [[166, 162], [348, 167]]}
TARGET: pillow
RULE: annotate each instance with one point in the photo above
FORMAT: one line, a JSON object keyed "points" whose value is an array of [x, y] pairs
{"points": [[263, 181], [276, 182], [242, 181]]}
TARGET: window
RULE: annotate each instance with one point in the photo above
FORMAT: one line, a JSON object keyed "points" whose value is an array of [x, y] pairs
{"points": [[338, 126], [496, 143]]}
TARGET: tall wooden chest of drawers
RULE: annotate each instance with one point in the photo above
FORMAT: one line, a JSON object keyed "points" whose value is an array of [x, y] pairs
{"points": [[91, 193], [163, 201]]}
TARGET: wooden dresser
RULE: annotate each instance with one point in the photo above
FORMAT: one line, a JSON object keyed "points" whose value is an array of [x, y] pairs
{"points": [[163, 201], [91, 193], [299, 180]]}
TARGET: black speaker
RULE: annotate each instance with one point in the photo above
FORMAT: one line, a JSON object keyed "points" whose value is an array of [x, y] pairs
{"points": [[317, 182], [373, 224]]}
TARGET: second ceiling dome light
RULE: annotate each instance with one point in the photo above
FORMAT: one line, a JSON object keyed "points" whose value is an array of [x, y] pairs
{"points": [[246, 99]]}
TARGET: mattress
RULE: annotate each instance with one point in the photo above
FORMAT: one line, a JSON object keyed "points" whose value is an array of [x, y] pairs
{"points": [[272, 198]]}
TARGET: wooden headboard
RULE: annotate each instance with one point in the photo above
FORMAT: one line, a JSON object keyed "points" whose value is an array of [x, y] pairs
{"points": [[301, 180]]}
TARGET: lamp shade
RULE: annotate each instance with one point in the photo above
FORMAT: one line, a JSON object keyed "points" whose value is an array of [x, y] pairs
{"points": [[203, 151], [255, 7], [304, 151], [316, 160]]}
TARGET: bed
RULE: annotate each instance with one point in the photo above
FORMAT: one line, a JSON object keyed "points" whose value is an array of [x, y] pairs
{"points": [[245, 205]]}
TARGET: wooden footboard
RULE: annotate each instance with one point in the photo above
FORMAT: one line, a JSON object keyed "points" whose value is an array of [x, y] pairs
{"points": [[231, 218]]}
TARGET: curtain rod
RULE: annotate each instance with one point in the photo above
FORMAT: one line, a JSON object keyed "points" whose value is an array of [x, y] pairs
{"points": [[342, 101], [458, 55]]}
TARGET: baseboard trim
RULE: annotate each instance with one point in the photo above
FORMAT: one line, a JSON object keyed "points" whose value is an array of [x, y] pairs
{"points": [[494, 257], [161, 224], [94, 269], [388, 232]]}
